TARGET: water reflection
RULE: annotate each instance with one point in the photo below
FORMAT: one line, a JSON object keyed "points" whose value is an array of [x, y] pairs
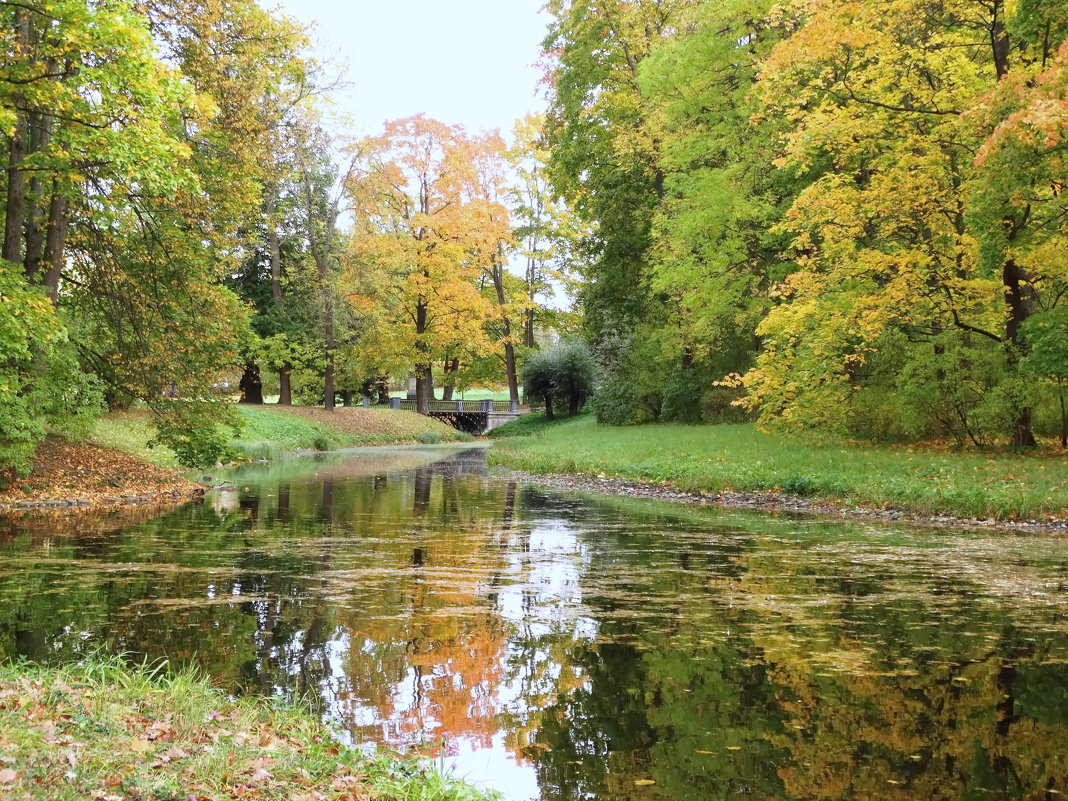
{"points": [[557, 647]]}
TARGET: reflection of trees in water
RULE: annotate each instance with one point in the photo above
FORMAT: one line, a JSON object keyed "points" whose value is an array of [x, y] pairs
{"points": [[722, 666]]}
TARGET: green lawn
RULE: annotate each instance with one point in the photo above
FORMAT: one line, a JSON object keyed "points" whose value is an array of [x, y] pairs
{"points": [[101, 730], [739, 457], [470, 394], [268, 432]]}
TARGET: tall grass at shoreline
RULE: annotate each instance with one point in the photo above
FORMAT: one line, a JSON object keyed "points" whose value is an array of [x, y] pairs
{"points": [[100, 729], [715, 458]]}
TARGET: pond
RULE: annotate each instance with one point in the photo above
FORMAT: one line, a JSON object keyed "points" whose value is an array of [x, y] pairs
{"points": [[557, 646]]}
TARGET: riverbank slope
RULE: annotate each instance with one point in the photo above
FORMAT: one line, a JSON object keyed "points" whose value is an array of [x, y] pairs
{"points": [[721, 461], [119, 466], [102, 730]]}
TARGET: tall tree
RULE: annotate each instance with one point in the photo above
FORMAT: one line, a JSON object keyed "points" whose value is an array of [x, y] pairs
{"points": [[417, 244], [912, 283], [605, 143], [547, 234]]}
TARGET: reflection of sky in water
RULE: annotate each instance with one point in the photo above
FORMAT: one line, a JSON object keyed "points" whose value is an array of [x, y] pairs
{"points": [[555, 647]]}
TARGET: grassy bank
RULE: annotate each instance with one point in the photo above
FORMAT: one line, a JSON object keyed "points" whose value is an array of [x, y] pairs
{"points": [[741, 458], [268, 431], [101, 730]]}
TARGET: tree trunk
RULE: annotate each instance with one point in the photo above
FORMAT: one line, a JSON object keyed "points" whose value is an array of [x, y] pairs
{"points": [[40, 135], [320, 249], [448, 382], [549, 408], [346, 397], [424, 377], [506, 327], [16, 193], [528, 314], [285, 389], [424, 388], [1019, 295], [55, 241], [328, 379], [528, 328], [16, 178], [572, 405], [251, 385]]}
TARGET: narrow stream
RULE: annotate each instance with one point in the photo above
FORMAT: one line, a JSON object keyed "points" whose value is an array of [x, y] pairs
{"points": [[555, 646]]}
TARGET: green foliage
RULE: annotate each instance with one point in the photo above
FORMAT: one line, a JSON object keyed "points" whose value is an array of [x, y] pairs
{"points": [[1046, 337], [428, 438], [42, 388], [572, 373], [538, 378], [560, 374], [197, 433], [631, 374]]}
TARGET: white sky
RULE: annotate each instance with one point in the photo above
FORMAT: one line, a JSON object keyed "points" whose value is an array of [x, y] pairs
{"points": [[459, 61]]}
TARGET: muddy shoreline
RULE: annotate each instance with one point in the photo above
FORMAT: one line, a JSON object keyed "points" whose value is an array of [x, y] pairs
{"points": [[774, 502], [76, 502]]}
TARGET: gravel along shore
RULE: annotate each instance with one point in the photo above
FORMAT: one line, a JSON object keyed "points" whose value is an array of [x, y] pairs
{"points": [[770, 502]]}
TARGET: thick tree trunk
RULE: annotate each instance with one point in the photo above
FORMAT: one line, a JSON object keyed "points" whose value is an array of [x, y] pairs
{"points": [[424, 388], [1019, 296], [285, 389], [549, 408], [16, 193], [346, 397], [448, 385], [40, 135], [572, 406], [55, 241], [424, 376], [16, 178], [251, 385]]}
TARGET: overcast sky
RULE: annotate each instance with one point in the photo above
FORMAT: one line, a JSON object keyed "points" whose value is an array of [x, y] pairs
{"points": [[460, 61]]}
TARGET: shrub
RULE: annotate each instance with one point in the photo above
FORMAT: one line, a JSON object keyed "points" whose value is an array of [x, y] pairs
{"points": [[572, 374], [560, 374]]}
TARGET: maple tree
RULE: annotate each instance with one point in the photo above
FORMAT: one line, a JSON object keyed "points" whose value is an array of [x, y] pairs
{"points": [[911, 290], [425, 231]]}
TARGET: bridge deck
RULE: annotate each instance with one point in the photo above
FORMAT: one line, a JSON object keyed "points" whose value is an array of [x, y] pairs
{"points": [[474, 417]]}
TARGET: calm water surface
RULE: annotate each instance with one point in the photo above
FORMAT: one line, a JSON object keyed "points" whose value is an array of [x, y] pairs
{"points": [[554, 646]]}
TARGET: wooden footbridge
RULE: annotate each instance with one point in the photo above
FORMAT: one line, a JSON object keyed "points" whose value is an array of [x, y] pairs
{"points": [[474, 417]]}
